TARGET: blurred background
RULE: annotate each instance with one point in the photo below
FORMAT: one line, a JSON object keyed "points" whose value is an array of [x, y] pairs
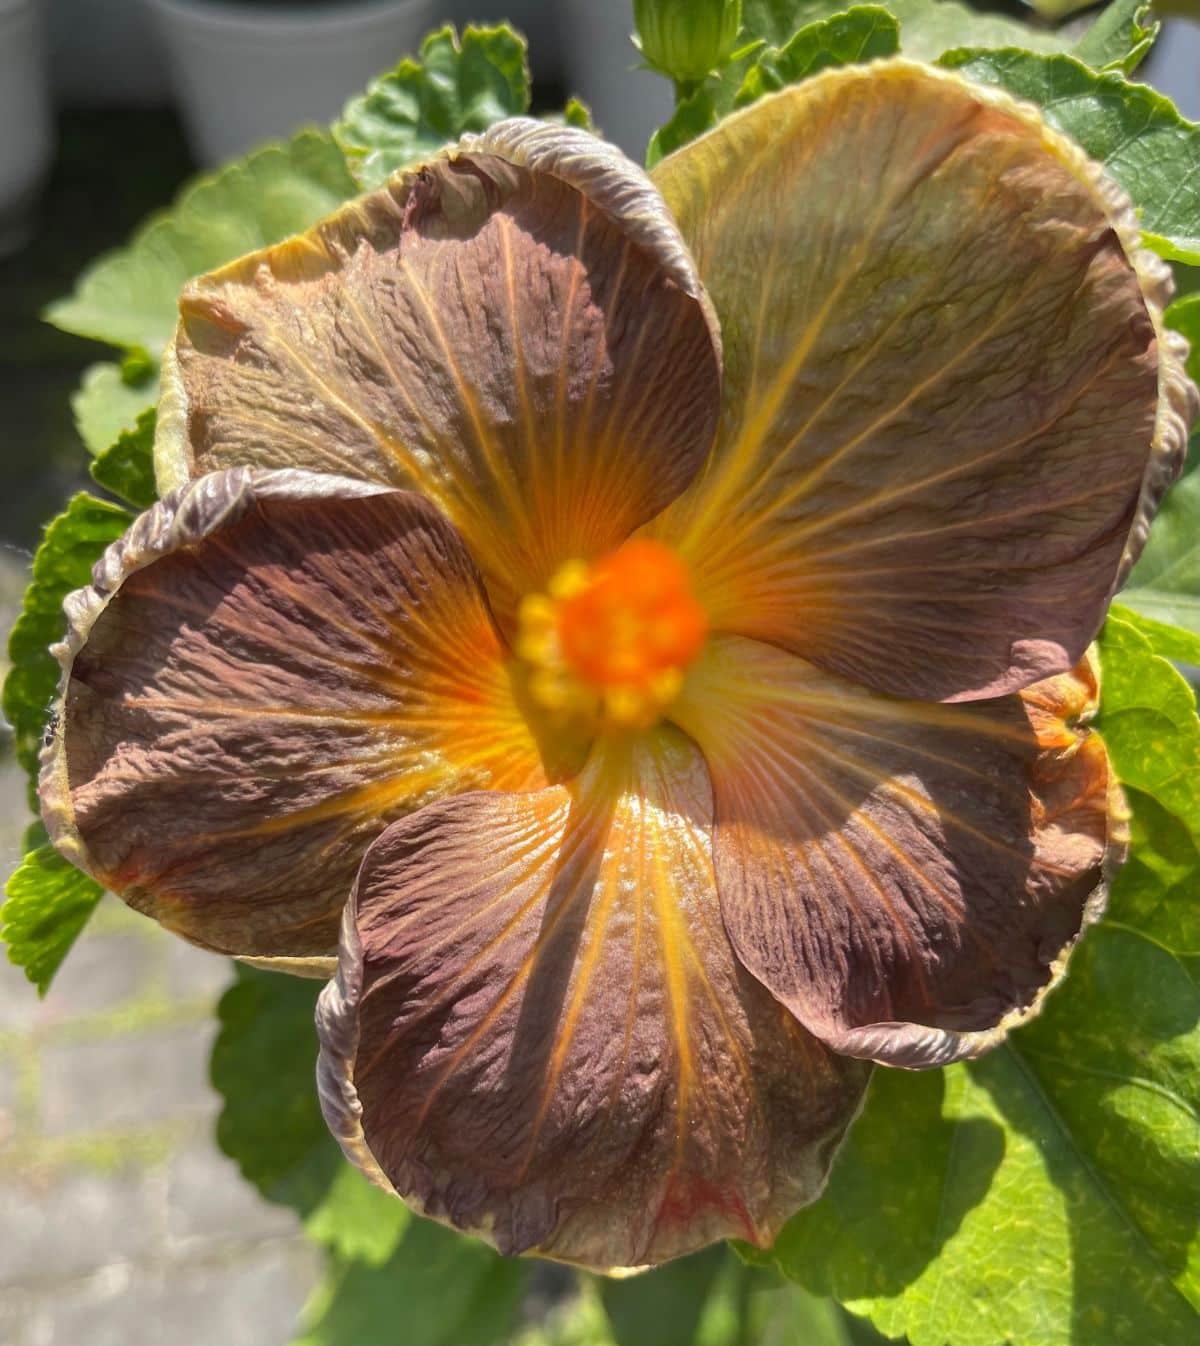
{"points": [[120, 1222]]}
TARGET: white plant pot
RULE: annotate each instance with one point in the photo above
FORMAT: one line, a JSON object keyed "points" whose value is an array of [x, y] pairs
{"points": [[600, 61], [26, 141], [106, 52], [1174, 65], [246, 73]]}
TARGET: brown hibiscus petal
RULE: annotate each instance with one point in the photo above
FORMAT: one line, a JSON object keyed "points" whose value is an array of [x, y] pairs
{"points": [[269, 668], [950, 404], [907, 877], [540, 1034], [514, 329]]}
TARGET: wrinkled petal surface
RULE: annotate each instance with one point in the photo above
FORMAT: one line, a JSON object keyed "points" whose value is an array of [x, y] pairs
{"points": [[268, 669], [515, 329], [949, 409], [540, 1033], [907, 877]]}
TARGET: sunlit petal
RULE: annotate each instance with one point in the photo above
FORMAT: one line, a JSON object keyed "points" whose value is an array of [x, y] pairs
{"points": [[950, 406]]}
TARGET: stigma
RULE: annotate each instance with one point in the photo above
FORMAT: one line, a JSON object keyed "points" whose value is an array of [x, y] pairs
{"points": [[610, 641]]}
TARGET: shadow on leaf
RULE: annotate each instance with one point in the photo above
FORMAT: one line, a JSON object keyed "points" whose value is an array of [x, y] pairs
{"points": [[264, 1066], [1108, 1118], [904, 1182]]}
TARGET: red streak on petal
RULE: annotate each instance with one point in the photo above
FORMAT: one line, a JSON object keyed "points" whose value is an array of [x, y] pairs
{"points": [[689, 1197]]}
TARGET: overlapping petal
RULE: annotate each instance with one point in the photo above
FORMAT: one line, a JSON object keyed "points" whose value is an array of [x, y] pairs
{"points": [[540, 1033], [515, 329], [268, 669], [950, 407], [907, 877]]}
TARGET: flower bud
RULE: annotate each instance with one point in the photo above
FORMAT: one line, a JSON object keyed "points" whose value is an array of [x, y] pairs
{"points": [[685, 39]]}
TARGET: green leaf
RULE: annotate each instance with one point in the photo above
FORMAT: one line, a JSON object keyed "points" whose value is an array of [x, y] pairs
{"points": [[47, 903], [1153, 738], [1056, 10], [1165, 584], [665, 1307], [355, 1218], [763, 1310], [128, 298], [126, 468], [1015, 1220], [35, 836], [1172, 642], [1047, 1193], [693, 116], [578, 1320], [697, 113], [822, 33], [861, 34], [1184, 316], [263, 1065], [577, 113], [72, 544], [712, 1299], [107, 403], [455, 86], [1187, 279], [777, 21], [1156, 888], [915, 1165], [1139, 135], [1121, 38], [928, 27], [858, 34], [438, 1289], [1149, 724], [456, 1292]]}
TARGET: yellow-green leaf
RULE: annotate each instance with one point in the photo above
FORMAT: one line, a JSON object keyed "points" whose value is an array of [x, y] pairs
{"points": [[127, 467], [129, 297], [72, 544], [47, 903]]}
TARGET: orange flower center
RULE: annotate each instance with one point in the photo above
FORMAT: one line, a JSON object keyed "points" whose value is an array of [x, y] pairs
{"points": [[614, 637]]}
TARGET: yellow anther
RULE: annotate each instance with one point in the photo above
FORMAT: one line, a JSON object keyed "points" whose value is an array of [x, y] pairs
{"points": [[569, 580], [609, 643]]}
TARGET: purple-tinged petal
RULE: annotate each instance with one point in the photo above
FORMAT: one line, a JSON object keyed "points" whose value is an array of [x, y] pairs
{"points": [[267, 670], [515, 329], [540, 1033], [907, 877]]}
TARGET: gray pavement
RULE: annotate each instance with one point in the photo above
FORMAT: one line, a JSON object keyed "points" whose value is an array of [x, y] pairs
{"points": [[121, 1223]]}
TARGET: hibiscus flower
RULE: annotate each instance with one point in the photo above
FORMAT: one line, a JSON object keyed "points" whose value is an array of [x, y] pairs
{"points": [[672, 732]]}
